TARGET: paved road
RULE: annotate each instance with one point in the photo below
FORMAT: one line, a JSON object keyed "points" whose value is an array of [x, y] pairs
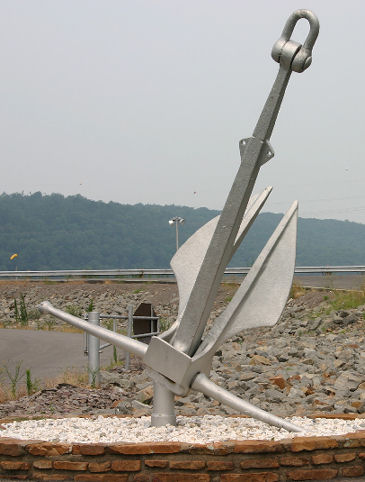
{"points": [[333, 281], [46, 353], [344, 281]]}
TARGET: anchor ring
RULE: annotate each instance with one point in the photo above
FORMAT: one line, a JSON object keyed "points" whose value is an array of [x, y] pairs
{"points": [[291, 54]]}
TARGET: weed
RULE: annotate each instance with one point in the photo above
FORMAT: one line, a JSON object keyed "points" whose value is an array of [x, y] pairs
{"points": [[6, 395], [138, 290], [296, 291], [14, 377], [113, 364], [164, 324], [93, 374], [23, 311], [16, 311], [74, 310], [20, 312], [115, 355], [228, 299], [50, 323], [3, 395], [5, 323], [91, 306], [70, 376], [34, 314], [109, 324], [32, 385]]}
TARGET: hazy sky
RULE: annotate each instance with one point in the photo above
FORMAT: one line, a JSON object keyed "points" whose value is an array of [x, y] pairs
{"points": [[146, 100]]}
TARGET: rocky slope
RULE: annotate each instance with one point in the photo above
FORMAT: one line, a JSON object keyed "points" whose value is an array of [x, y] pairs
{"points": [[311, 361]]}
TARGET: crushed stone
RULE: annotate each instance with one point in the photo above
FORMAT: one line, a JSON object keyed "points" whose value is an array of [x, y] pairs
{"points": [[202, 430]]}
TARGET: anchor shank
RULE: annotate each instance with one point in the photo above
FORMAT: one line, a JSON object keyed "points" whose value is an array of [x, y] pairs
{"points": [[266, 122], [254, 152], [198, 307]]}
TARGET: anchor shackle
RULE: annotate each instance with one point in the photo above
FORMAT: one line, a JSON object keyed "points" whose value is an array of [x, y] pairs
{"points": [[290, 54]]}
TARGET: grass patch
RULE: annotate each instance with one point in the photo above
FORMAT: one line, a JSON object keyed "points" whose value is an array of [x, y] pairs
{"points": [[164, 324], [74, 310], [347, 300], [16, 384], [72, 376]]}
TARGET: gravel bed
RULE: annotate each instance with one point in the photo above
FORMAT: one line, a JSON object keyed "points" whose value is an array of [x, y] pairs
{"points": [[210, 428]]}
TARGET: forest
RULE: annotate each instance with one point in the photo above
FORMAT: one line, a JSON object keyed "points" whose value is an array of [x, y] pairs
{"points": [[56, 232]]}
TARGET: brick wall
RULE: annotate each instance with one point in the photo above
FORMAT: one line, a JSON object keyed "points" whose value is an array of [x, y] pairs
{"points": [[302, 458]]}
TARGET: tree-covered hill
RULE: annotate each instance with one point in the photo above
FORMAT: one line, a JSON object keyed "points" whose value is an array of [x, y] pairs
{"points": [[57, 232]]}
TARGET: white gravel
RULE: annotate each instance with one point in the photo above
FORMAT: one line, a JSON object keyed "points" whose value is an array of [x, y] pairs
{"points": [[189, 429]]}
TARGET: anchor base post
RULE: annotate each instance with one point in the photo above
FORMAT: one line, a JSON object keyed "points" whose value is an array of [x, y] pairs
{"points": [[163, 412]]}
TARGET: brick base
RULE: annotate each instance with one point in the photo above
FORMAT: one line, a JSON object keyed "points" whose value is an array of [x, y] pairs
{"points": [[301, 458]]}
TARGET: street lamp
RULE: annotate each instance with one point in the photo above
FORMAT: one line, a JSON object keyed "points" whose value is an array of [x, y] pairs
{"points": [[177, 220]]}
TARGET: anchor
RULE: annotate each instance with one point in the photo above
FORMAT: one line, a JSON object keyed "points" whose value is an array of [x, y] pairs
{"points": [[180, 359]]}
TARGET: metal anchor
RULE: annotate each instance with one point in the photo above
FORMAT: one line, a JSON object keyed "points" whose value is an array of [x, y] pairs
{"points": [[180, 358]]}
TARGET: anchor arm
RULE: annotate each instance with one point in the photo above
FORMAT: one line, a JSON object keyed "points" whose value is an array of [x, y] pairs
{"points": [[133, 346], [261, 298], [202, 384]]}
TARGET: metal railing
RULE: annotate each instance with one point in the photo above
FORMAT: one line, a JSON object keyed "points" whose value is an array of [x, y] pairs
{"points": [[148, 274], [92, 347]]}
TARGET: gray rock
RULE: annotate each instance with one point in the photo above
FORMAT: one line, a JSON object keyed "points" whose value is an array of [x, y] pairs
{"points": [[273, 395], [245, 377], [349, 319]]}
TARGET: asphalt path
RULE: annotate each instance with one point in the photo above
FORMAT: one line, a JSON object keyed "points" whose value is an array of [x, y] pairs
{"points": [[46, 353]]}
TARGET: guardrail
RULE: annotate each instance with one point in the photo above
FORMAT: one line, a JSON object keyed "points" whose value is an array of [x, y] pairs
{"points": [[146, 274]]}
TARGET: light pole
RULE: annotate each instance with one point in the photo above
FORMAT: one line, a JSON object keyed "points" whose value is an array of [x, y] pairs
{"points": [[176, 220]]}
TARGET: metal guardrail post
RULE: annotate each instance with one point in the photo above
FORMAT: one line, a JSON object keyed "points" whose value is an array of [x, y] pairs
{"points": [[129, 334], [94, 352], [93, 348]]}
